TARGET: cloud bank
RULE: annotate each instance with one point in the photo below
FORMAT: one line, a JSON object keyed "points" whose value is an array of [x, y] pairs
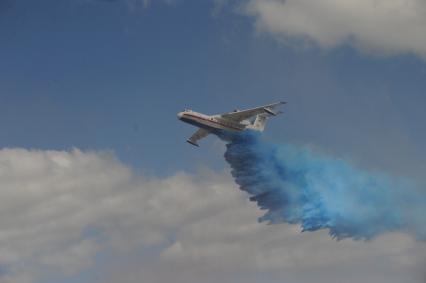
{"points": [[68, 212], [381, 26]]}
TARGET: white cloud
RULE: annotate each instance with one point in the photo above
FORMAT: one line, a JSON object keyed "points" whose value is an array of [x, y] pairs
{"points": [[62, 210], [380, 26]]}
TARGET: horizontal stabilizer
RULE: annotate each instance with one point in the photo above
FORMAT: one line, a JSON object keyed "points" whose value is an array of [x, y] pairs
{"points": [[269, 111]]}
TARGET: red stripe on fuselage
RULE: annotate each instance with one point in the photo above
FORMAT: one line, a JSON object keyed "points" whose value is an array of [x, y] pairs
{"points": [[213, 121]]}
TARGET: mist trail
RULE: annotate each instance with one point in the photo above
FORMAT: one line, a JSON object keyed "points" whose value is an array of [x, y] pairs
{"points": [[297, 186]]}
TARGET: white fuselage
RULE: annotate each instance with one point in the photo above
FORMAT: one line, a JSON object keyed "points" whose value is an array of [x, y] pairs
{"points": [[226, 124], [215, 122]]}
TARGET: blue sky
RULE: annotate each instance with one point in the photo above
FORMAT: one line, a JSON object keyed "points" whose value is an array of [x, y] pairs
{"points": [[103, 75], [111, 76]]}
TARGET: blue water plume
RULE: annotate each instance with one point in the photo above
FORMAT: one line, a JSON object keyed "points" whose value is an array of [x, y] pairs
{"points": [[298, 186]]}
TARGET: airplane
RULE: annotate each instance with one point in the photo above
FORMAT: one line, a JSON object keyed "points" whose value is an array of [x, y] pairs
{"points": [[236, 121]]}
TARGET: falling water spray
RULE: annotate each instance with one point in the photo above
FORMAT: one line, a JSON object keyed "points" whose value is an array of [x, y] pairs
{"points": [[298, 186]]}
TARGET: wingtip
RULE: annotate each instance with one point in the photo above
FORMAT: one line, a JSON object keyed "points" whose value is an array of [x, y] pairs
{"points": [[193, 143]]}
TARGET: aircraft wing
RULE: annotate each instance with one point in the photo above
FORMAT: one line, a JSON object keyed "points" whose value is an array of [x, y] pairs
{"points": [[198, 135], [240, 115]]}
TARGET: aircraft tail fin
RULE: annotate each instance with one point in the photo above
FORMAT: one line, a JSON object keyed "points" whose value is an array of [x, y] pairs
{"points": [[260, 122], [261, 119]]}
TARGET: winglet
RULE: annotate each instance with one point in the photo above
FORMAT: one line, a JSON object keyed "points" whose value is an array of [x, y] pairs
{"points": [[193, 143]]}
